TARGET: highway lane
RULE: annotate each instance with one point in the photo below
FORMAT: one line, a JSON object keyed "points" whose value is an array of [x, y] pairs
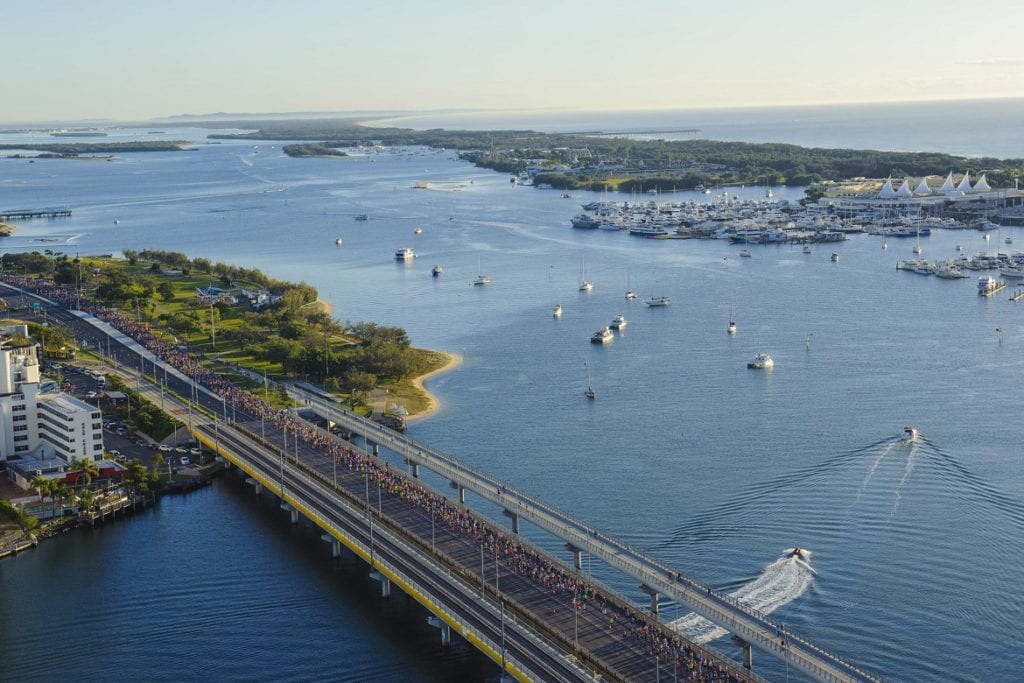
{"points": [[747, 623], [380, 541]]}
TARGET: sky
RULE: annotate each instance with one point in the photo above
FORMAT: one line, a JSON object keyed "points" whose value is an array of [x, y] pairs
{"points": [[112, 59]]}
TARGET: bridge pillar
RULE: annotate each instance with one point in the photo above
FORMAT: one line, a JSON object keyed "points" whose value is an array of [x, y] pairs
{"points": [[385, 583], [335, 544], [462, 494], [515, 523], [655, 607], [748, 656], [577, 556], [446, 631], [292, 512], [415, 470]]}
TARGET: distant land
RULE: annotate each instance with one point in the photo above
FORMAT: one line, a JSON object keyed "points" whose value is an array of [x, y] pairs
{"points": [[598, 162], [75, 148]]}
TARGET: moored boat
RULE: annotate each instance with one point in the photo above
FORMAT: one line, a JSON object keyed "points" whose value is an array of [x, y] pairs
{"points": [[655, 301], [436, 271], [602, 336], [762, 361], [406, 254], [618, 323], [557, 311]]}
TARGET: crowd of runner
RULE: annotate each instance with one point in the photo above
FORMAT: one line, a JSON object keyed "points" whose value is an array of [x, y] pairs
{"points": [[694, 663]]}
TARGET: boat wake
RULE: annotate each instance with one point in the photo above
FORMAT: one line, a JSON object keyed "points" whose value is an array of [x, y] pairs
{"points": [[779, 583]]}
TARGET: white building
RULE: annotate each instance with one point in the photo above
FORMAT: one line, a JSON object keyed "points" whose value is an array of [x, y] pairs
{"points": [[33, 425]]}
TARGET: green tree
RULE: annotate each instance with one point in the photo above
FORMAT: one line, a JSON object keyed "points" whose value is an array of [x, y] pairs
{"points": [[165, 290], [88, 468]]}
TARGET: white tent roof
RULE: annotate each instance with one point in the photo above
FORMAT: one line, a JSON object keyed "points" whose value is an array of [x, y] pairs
{"points": [[904, 190], [923, 187], [887, 190], [948, 186], [965, 183], [982, 185]]}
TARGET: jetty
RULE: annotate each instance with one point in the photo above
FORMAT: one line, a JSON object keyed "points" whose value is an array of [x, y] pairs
{"points": [[56, 212], [1018, 295]]}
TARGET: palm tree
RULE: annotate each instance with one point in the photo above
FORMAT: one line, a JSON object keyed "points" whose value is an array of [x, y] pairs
{"points": [[87, 499], [67, 496], [39, 484], [88, 468]]}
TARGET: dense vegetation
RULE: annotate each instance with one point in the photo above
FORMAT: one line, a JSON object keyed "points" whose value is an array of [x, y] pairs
{"points": [[73, 148], [312, 149], [626, 164], [291, 336]]}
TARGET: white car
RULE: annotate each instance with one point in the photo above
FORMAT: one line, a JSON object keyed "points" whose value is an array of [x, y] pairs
{"points": [[194, 451], [164, 448], [185, 460]]}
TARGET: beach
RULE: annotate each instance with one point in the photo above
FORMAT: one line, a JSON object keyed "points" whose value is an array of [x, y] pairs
{"points": [[454, 361]]}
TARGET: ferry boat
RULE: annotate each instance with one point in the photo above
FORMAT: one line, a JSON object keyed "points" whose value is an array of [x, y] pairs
{"points": [[658, 301], [618, 323], [407, 254], [762, 361], [602, 336], [436, 271]]}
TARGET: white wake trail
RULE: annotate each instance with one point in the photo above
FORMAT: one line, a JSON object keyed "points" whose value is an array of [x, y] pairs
{"points": [[781, 582], [874, 465], [906, 474]]}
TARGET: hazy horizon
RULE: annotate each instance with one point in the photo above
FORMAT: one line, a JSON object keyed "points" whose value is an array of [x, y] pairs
{"points": [[120, 61]]}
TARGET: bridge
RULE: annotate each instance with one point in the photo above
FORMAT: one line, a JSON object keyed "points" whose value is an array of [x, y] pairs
{"points": [[536, 619]]}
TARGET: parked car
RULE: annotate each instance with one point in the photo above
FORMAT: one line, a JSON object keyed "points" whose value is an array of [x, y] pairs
{"points": [[165, 448], [185, 460], [114, 453], [181, 449], [194, 451]]}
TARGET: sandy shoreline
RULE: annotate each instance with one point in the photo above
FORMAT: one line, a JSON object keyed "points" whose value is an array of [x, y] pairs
{"points": [[454, 361]]}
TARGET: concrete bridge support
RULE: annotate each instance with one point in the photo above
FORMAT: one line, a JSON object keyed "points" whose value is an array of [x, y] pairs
{"points": [[292, 512], [577, 556], [515, 520], [385, 583], [415, 470], [748, 656], [335, 544], [445, 629], [462, 495], [655, 606]]}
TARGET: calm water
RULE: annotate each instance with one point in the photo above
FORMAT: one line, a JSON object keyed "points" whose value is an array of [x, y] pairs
{"points": [[917, 551]]}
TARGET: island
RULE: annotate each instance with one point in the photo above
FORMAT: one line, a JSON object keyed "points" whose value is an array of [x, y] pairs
{"points": [[314, 149], [72, 149], [620, 163]]}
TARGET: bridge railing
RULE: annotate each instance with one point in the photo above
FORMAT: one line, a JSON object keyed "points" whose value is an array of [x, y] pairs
{"points": [[609, 548]]}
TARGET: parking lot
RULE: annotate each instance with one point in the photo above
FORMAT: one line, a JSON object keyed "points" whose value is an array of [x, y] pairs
{"points": [[120, 441]]}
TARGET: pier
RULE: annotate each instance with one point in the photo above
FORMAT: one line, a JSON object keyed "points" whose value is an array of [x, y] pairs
{"points": [[58, 212]]}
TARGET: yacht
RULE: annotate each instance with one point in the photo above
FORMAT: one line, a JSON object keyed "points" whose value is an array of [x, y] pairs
{"points": [[630, 295], [482, 280], [585, 284], [589, 393], [658, 301], [602, 336], [988, 285], [618, 323], [762, 361], [407, 254], [436, 271], [949, 271], [731, 329], [557, 311]]}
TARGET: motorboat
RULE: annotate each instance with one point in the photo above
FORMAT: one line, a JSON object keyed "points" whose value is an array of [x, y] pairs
{"points": [[797, 553], [618, 323], [407, 254], [910, 434], [602, 336], [338, 241], [436, 271], [762, 361], [988, 285], [630, 295], [586, 286], [731, 329], [557, 311], [835, 257], [418, 231], [655, 301], [362, 217], [807, 249]]}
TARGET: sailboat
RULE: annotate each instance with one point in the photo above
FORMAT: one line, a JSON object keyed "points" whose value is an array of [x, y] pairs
{"points": [[481, 279], [630, 294], [732, 320], [585, 284], [557, 311], [589, 393]]}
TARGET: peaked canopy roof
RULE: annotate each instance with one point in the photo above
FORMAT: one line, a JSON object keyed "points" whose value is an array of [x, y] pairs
{"points": [[904, 190], [982, 185], [887, 190], [948, 186], [923, 187], [965, 183]]}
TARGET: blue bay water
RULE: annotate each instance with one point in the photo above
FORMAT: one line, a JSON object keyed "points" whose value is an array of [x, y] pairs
{"points": [[714, 468]]}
